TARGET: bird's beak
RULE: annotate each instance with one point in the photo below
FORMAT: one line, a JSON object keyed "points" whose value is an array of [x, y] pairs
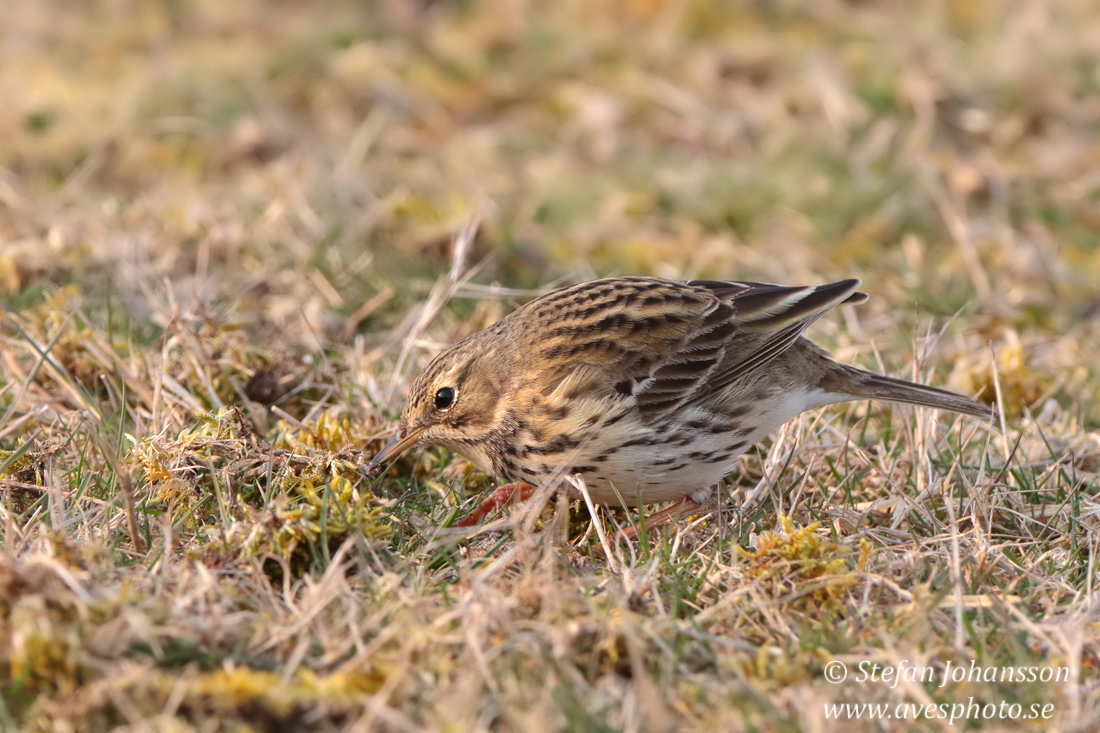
{"points": [[401, 441]]}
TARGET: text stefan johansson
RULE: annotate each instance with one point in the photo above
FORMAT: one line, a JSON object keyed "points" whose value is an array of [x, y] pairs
{"points": [[905, 672]]}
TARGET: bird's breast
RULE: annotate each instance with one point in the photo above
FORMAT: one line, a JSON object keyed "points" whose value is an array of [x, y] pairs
{"points": [[624, 458]]}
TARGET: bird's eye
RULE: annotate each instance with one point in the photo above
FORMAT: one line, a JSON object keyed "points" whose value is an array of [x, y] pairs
{"points": [[444, 398]]}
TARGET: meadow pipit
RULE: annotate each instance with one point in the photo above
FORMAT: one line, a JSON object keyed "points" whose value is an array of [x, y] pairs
{"points": [[648, 389]]}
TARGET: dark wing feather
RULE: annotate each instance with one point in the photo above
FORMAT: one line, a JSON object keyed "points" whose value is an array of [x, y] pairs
{"points": [[667, 343], [770, 318], [751, 324]]}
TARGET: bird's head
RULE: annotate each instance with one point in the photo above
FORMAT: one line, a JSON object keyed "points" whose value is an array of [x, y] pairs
{"points": [[456, 402]]}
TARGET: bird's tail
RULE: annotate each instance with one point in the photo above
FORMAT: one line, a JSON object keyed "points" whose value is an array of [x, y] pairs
{"points": [[860, 384]]}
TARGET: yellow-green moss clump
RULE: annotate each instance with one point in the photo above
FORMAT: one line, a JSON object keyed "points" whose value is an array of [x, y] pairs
{"points": [[800, 565], [234, 490]]}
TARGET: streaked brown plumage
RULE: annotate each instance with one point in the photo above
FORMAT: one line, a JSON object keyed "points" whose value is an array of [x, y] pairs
{"points": [[648, 389]]}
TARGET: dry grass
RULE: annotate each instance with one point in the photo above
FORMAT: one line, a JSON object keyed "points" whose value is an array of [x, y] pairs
{"points": [[227, 239]]}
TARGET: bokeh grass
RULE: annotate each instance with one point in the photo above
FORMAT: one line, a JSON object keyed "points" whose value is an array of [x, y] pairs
{"points": [[230, 233]]}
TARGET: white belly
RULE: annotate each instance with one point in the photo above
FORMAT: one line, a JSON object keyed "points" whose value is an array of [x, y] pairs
{"points": [[683, 462]]}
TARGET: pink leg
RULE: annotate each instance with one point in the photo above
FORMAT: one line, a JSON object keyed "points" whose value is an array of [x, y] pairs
{"points": [[680, 508], [520, 490]]}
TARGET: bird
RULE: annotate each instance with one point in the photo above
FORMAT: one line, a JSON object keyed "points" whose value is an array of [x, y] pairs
{"points": [[647, 389]]}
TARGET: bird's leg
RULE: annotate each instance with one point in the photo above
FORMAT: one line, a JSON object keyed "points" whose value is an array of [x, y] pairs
{"points": [[684, 506], [520, 490]]}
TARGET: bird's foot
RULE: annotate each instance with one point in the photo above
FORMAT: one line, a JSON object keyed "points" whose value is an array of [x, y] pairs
{"points": [[518, 491], [677, 510]]}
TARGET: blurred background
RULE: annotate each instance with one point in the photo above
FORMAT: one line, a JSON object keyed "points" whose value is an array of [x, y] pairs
{"points": [[306, 166], [229, 236]]}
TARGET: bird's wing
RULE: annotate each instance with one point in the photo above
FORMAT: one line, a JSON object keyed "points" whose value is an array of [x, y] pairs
{"points": [[769, 319], [749, 325], [667, 343]]}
